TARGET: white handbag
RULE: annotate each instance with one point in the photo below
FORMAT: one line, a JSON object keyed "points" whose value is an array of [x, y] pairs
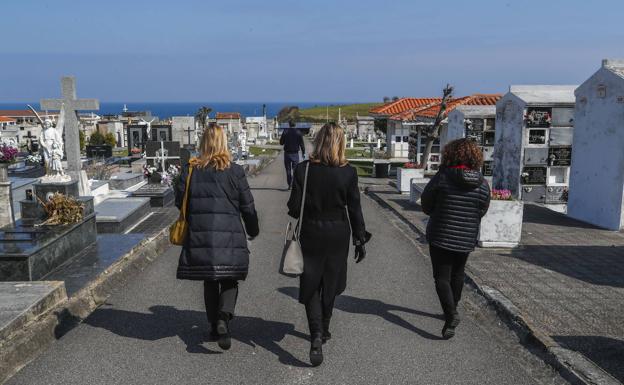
{"points": [[292, 256]]}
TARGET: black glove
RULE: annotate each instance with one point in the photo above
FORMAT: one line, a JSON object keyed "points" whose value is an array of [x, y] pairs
{"points": [[360, 253]]}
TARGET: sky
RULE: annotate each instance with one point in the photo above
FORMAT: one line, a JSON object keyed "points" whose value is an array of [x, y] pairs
{"points": [[299, 50]]}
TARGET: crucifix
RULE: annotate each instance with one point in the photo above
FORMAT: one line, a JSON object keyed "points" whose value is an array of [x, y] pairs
{"points": [[188, 133], [72, 105], [30, 143]]}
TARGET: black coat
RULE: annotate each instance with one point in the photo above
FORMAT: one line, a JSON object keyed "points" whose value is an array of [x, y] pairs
{"points": [[292, 140], [332, 202], [216, 244], [456, 200]]}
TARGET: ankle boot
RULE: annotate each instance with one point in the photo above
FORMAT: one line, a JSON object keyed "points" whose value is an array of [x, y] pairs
{"points": [[448, 331], [223, 331], [316, 349], [326, 334]]}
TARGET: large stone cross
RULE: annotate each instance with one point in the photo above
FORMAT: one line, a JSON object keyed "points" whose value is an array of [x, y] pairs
{"points": [[72, 105]]}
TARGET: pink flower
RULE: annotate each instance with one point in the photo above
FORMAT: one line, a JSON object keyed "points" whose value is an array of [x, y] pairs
{"points": [[501, 195]]}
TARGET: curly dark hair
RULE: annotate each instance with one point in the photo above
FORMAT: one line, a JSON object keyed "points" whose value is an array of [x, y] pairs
{"points": [[462, 152]]}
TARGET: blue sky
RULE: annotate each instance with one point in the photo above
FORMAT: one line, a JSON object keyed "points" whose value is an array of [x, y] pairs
{"points": [[292, 50]]}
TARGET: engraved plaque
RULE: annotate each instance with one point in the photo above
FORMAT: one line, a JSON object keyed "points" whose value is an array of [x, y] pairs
{"points": [[533, 194], [488, 168], [560, 156], [489, 138], [535, 156], [561, 136], [534, 175], [538, 117], [537, 136], [562, 117]]}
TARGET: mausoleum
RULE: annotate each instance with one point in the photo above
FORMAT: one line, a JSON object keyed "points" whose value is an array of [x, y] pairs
{"points": [[597, 174], [533, 150]]}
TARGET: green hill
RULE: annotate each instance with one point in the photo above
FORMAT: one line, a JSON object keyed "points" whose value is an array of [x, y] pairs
{"points": [[349, 111]]}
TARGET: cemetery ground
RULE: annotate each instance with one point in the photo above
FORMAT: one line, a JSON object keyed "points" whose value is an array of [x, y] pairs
{"points": [[386, 327], [561, 290]]}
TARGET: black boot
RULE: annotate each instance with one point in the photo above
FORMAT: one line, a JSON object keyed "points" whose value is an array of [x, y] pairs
{"points": [[448, 331], [223, 332], [213, 332], [316, 349], [326, 334]]}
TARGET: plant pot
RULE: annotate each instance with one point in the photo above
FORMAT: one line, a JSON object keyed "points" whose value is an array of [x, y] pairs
{"points": [[4, 172], [502, 225], [382, 168], [405, 176]]}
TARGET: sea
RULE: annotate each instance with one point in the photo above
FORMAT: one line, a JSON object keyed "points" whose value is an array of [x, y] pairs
{"points": [[165, 110]]}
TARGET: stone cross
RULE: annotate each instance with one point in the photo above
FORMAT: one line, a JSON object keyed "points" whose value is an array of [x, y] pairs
{"points": [[188, 132], [72, 105]]}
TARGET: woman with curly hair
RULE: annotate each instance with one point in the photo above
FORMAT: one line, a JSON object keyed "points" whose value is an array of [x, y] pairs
{"points": [[455, 199]]}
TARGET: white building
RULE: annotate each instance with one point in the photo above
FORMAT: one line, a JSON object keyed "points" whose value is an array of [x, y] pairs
{"points": [[532, 155], [257, 128], [477, 123], [231, 121], [596, 179]]}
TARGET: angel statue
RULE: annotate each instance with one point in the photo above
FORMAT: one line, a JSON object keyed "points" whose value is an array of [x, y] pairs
{"points": [[51, 144]]}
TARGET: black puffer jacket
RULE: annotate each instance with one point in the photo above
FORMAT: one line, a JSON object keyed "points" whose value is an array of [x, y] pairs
{"points": [[455, 199], [216, 245]]}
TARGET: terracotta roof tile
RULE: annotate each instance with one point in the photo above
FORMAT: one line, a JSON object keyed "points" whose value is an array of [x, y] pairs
{"points": [[228, 115], [431, 111], [21, 113], [5, 119], [403, 105]]}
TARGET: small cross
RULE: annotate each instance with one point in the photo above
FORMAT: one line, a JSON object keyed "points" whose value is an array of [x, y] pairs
{"points": [[188, 132]]}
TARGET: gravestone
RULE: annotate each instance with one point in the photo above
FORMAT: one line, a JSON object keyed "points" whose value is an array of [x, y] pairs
{"points": [[99, 151], [72, 105], [596, 179], [162, 154], [124, 180], [116, 215], [158, 194]]}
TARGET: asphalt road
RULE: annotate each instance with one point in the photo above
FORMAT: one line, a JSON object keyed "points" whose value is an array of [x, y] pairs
{"points": [[386, 327]]}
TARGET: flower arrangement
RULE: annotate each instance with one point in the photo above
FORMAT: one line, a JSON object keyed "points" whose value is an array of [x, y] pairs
{"points": [[501, 195], [170, 176], [412, 165], [8, 153], [34, 158], [135, 151], [148, 170]]}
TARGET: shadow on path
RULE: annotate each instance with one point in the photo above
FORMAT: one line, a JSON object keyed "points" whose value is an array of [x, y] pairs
{"points": [[375, 307], [192, 328], [606, 352]]}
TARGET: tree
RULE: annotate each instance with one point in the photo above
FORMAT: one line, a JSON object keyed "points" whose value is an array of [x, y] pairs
{"points": [[386, 99], [288, 113], [433, 132], [110, 139], [202, 115], [96, 139]]}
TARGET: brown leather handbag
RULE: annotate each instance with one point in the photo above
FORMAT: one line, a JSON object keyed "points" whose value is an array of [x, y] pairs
{"points": [[179, 229]]}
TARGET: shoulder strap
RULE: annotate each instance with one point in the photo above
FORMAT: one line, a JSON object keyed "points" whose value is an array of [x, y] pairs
{"points": [[303, 198], [186, 193]]}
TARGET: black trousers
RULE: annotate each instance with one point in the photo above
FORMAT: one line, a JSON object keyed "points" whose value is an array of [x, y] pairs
{"points": [[448, 273], [319, 312], [220, 299]]}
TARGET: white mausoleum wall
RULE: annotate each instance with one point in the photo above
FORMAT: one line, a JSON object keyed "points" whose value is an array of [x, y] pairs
{"points": [[597, 174], [454, 129], [508, 148]]}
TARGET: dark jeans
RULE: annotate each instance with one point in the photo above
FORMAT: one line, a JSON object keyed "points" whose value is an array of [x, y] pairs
{"points": [[291, 160], [448, 272], [220, 299], [318, 312]]}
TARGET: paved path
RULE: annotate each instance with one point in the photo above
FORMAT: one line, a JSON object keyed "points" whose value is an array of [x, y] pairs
{"points": [[386, 327], [566, 279]]}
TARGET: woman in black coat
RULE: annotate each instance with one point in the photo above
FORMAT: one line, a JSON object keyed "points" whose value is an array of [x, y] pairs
{"points": [[332, 202], [215, 250], [456, 199]]}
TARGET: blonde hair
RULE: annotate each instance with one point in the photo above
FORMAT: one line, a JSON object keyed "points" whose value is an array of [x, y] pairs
{"points": [[213, 149], [329, 146]]}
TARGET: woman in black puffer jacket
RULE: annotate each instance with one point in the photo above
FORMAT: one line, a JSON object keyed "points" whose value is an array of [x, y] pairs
{"points": [[215, 250], [456, 199]]}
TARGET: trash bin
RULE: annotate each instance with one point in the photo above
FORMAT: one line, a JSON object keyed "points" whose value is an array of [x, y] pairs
{"points": [[382, 169]]}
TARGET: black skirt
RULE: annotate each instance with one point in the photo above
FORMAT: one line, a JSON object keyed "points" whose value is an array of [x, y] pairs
{"points": [[325, 246]]}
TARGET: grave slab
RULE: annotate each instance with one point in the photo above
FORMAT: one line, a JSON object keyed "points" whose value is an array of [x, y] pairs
{"points": [[116, 215], [22, 302], [124, 181], [159, 195]]}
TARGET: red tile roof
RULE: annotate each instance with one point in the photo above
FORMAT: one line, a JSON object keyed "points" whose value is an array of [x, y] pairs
{"points": [[23, 113], [432, 110], [5, 119], [228, 115], [403, 105]]}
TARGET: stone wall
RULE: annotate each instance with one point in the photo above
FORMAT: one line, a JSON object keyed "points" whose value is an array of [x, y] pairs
{"points": [[6, 217], [508, 148]]}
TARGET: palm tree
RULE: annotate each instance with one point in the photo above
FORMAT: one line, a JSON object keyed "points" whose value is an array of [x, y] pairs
{"points": [[202, 115]]}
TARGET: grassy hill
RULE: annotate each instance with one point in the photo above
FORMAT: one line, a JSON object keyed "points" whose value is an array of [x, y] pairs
{"points": [[350, 111]]}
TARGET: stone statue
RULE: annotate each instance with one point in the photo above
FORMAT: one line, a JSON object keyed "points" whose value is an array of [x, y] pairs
{"points": [[51, 144]]}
